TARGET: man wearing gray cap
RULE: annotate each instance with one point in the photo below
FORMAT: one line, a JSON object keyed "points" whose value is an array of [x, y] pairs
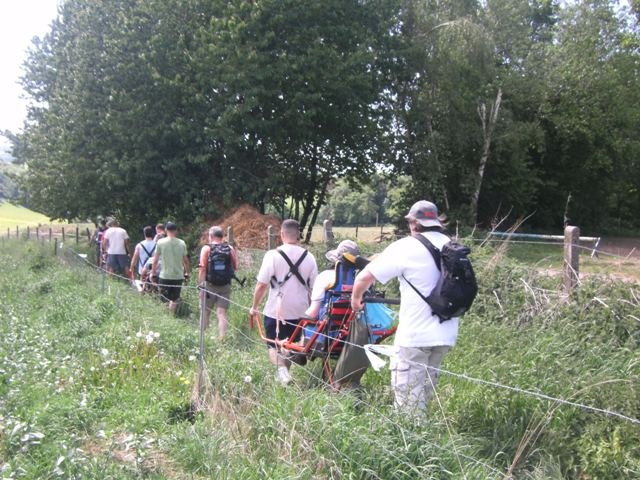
{"points": [[422, 338]]}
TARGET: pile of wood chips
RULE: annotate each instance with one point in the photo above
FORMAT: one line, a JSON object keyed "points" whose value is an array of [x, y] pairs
{"points": [[249, 227]]}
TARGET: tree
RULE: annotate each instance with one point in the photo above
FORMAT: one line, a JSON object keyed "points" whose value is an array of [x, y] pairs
{"points": [[298, 83]]}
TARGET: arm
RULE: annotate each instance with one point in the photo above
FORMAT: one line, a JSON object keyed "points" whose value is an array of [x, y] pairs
{"points": [[185, 264], [204, 263], [105, 241], [127, 246], [314, 309], [234, 259], [258, 295], [363, 281], [134, 259], [154, 265]]}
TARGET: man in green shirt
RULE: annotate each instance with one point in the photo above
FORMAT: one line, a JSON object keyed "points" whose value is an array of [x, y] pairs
{"points": [[174, 268]]}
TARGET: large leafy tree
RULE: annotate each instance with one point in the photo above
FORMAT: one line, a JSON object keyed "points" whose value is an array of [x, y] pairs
{"points": [[591, 119], [299, 83]]}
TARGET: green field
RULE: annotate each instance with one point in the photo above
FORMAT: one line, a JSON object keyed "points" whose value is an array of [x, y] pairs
{"points": [[14, 215], [95, 382]]}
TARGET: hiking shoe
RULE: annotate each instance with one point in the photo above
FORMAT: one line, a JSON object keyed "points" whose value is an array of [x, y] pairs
{"points": [[282, 375]]}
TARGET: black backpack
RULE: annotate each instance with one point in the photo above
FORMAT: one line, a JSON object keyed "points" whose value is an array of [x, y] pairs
{"points": [[219, 266], [457, 287]]}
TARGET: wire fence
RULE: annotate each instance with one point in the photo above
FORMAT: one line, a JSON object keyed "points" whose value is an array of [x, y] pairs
{"points": [[252, 258]]}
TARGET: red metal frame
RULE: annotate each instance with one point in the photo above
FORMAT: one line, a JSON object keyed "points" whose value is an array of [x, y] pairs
{"points": [[336, 343]]}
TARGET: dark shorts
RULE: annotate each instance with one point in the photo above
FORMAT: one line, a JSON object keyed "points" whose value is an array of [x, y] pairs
{"points": [[118, 263], [286, 330], [170, 289]]}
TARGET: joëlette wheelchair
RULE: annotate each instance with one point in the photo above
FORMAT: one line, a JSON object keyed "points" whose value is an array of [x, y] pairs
{"points": [[327, 337]]}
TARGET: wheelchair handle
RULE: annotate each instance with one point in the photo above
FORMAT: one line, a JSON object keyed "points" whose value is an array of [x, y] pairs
{"points": [[388, 301]]}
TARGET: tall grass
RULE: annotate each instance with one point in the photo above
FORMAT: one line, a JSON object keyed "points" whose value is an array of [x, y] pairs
{"points": [[97, 383]]}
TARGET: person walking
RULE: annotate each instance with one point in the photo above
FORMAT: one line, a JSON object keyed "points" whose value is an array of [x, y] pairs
{"points": [[171, 252], [143, 251], [422, 338], [218, 263], [98, 236], [116, 244], [288, 273]]}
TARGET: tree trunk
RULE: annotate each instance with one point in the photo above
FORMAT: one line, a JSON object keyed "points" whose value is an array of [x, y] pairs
{"points": [[316, 211], [488, 127]]}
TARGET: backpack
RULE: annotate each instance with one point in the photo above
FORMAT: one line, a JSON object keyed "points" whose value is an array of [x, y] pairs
{"points": [[219, 266], [457, 286]]}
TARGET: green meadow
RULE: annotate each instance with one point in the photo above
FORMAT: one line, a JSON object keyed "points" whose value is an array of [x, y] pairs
{"points": [[14, 215], [97, 381]]}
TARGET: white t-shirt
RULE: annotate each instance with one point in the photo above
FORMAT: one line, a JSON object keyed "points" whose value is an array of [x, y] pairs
{"points": [[295, 296], [418, 326], [116, 237], [324, 279]]}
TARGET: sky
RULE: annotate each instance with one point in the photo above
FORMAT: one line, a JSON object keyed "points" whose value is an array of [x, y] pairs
{"points": [[20, 22]]}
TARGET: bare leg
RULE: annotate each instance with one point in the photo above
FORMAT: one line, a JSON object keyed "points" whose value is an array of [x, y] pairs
{"points": [[278, 359], [222, 321], [172, 306]]}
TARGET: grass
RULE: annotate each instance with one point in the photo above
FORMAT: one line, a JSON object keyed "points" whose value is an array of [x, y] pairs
{"points": [[13, 215], [95, 382]]}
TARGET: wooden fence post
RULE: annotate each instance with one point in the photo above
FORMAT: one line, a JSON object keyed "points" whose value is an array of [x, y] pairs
{"points": [[63, 236], [230, 239], [28, 232], [356, 231], [271, 238], [50, 233], [327, 232], [17, 232], [77, 235], [55, 248], [38, 233], [8, 233], [88, 235], [571, 267]]}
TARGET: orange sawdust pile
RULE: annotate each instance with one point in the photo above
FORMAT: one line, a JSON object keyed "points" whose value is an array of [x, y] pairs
{"points": [[249, 226]]}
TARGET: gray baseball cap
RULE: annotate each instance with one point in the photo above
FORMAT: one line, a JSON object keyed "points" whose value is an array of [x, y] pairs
{"points": [[425, 213], [345, 246]]}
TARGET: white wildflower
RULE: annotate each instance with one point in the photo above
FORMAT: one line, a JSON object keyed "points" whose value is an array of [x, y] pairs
{"points": [[104, 352], [247, 379], [192, 358]]}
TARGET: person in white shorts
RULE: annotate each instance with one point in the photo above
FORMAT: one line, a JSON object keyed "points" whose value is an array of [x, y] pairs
{"points": [[423, 340]]}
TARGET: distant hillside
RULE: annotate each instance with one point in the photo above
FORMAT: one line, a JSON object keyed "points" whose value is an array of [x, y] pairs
{"points": [[15, 215]]}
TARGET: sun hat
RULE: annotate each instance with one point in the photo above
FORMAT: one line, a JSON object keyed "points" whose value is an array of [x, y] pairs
{"points": [[425, 213], [345, 246]]}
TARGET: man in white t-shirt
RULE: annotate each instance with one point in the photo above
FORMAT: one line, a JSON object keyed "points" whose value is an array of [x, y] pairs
{"points": [[289, 287], [116, 243], [422, 339]]}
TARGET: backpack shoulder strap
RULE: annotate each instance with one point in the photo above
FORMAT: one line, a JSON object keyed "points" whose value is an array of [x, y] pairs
{"points": [[435, 253], [293, 268], [149, 253]]}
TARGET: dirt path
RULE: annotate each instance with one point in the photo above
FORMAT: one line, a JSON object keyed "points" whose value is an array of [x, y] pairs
{"points": [[620, 246]]}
